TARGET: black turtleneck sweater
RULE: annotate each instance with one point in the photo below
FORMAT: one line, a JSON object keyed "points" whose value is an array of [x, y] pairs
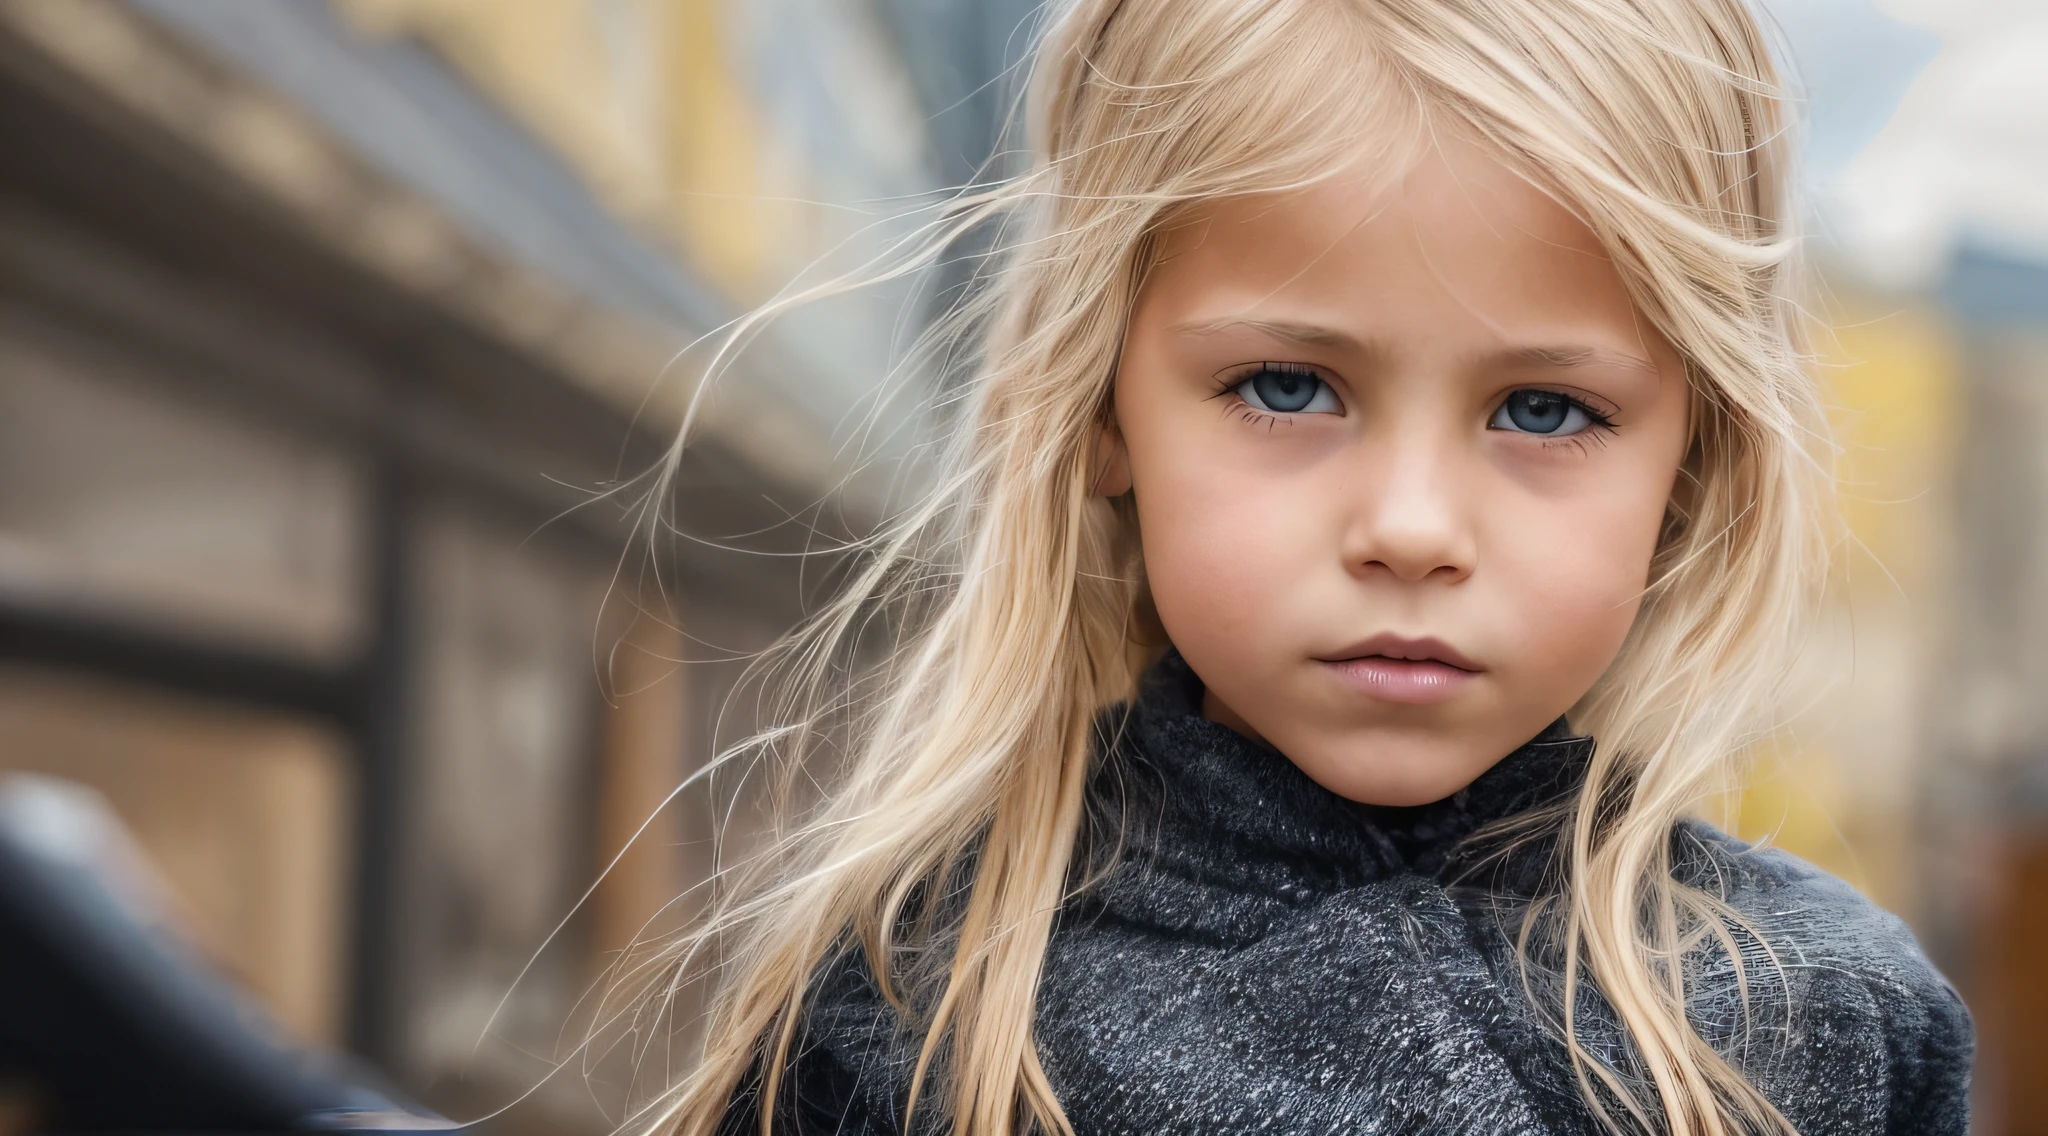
{"points": [[1252, 953]]}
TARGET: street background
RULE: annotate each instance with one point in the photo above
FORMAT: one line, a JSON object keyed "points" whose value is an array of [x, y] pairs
{"points": [[326, 326]]}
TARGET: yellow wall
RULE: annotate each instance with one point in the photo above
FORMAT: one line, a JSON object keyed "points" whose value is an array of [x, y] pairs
{"points": [[1838, 785], [643, 98]]}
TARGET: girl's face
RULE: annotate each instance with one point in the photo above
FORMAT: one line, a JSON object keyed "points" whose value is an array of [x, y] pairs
{"points": [[1401, 457]]}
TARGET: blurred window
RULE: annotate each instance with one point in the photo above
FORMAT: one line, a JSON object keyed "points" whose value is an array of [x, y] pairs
{"points": [[121, 494], [500, 791]]}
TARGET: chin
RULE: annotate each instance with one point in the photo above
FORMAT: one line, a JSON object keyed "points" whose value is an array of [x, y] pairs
{"points": [[1406, 776]]}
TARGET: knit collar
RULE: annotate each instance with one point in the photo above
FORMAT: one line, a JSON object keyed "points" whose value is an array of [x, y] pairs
{"points": [[1203, 799]]}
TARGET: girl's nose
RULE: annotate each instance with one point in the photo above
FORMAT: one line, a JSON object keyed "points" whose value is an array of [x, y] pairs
{"points": [[1412, 518]]}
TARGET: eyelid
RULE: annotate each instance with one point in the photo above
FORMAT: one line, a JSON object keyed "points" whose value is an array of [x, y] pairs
{"points": [[1600, 409], [1234, 383], [1237, 373]]}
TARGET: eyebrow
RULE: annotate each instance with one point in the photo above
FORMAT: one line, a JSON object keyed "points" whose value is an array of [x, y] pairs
{"points": [[1572, 356], [1308, 334], [1317, 335]]}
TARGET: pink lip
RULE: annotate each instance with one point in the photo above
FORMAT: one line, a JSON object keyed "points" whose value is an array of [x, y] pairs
{"points": [[1395, 669]]}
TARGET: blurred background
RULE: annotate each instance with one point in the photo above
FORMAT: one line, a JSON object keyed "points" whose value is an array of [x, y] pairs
{"points": [[325, 324]]}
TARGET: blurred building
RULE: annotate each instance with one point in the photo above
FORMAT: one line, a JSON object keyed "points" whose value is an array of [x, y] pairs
{"points": [[1915, 763], [326, 326]]}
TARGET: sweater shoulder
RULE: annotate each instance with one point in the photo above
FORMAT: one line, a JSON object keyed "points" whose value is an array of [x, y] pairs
{"points": [[1867, 1008], [1808, 916]]}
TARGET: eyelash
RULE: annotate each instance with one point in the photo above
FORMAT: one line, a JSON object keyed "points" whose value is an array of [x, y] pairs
{"points": [[1597, 434], [1228, 382]]}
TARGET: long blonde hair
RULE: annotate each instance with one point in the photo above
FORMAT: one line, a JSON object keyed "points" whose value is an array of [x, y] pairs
{"points": [[1007, 594]]}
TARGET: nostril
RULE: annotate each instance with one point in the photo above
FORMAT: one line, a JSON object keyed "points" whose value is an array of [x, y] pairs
{"points": [[1413, 572]]}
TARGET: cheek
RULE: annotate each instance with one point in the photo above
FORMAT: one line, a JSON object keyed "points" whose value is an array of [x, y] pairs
{"points": [[1570, 576], [1220, 551]]}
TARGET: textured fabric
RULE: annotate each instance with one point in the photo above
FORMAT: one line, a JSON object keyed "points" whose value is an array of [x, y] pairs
{"points": [[1247, 951]]}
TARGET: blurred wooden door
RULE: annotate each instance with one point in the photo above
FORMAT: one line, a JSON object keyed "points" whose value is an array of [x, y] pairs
{"points": [[245, 814], [2011, 990]]}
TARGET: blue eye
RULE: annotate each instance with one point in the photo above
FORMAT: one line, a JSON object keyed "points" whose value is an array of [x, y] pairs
{"points": [[1542, 412], [1279, 390]]}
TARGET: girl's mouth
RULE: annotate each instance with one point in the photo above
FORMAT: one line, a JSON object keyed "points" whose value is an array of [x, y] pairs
{"points": [[1395, 669]]}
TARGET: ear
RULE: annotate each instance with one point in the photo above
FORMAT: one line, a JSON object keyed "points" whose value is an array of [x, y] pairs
{"points": [[1111, 461]]}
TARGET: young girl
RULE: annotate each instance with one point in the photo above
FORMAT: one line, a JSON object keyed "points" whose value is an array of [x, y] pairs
{"points": [[1383, 504]]}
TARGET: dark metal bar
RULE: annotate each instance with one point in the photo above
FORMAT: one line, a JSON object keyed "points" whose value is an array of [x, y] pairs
{"points": [[381, 736], [45, 636]]}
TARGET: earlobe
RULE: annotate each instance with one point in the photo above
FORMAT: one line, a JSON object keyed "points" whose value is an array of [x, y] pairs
{"points": [[1111, 462]]}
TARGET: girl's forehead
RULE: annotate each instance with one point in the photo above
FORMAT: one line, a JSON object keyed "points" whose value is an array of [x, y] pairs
{"points": [[1446, 186], [1456, 240]]}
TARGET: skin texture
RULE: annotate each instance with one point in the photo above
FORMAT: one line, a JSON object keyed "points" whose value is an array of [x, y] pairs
{"points": [[1276, 542]]}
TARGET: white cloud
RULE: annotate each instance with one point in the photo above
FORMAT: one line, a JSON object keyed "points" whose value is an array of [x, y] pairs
{"points": [[1966, 155]]}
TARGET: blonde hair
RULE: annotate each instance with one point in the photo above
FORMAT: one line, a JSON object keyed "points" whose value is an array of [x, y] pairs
{"points": [[1010, 590]]}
